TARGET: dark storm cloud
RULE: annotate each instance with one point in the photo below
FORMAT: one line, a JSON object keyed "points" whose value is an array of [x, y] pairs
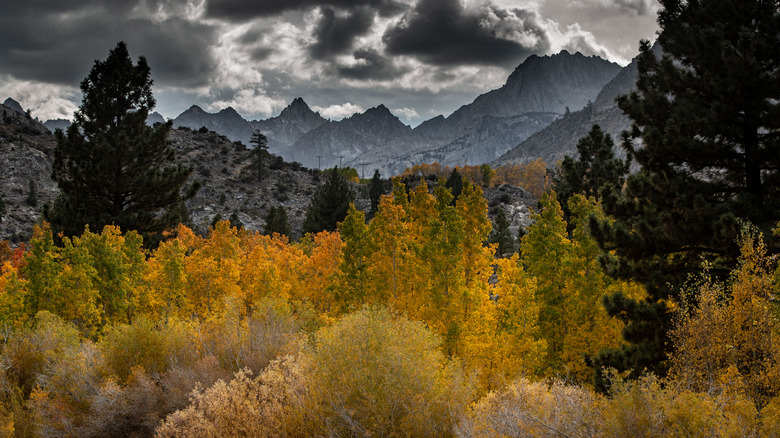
{"points": [[336, 34], [372, 66], [58, 42], [242, 10], [444, 32]]}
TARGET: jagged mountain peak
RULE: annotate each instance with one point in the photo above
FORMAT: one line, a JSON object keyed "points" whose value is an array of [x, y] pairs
{"points": [[193, 110], [14, 105], [296, 109], [230, 112]]}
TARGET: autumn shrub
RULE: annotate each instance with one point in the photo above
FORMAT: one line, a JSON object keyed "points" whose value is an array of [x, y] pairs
{"points": [[535, 409], [252, 341], [26, 353], [375, 374], [726, 336], [647, 408], [143, 344], [258, 407]]}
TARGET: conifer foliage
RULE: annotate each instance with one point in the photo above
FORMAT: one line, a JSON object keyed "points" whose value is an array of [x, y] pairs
{"points": [[708, 117], [110, 166], [329, 205], [595, 172]]}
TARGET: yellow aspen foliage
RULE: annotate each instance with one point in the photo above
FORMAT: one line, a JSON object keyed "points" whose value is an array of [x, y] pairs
{"points": [[389, 266], [12, 296], [729, 338], [213, 270], [271, 268], [165, 285], [119, 265], [501, 339], [320, 272], [477, 258]]}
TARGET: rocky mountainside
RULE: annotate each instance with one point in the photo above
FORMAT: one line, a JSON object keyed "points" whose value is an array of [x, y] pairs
{"points": [[538, 92], [339, 143], [288, 127], [561, 137], [26, 150], [226, 122], [13, 105], [229, 185]]}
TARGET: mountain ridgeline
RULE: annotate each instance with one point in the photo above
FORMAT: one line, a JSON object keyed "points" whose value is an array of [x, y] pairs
{"points": [[541, 91]]}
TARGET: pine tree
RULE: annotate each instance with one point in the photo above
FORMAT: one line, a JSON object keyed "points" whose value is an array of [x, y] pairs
{"points": [[329, 205], [259, 153], [455, 184], [596, 172], [276, 222], [111, 168], [502, 235], [708, 118], [375, 191]]}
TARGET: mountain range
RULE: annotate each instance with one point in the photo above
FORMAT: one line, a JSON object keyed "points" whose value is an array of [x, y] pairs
{"points": [[545, 106]]}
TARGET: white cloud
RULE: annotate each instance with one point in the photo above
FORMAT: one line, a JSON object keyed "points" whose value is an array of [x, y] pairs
{"points": [[575, 39], [45, 101], [249, 102], [338, 112], [406, 114]]}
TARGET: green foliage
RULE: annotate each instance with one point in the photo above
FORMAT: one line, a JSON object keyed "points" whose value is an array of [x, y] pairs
{"points": [[376, 189], [502, 235], [487, 174], [706, 113], [329, 204], [235, 222], [455, 184], [276, 222], [596, 173], [111, 168], [32, 194]]}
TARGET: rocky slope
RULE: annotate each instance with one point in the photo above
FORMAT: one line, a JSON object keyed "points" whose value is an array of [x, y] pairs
{"points": [[560, 138], [538, 92], [289, 126], [226, 122], [229, 183], [340, 143], [26, 149]]}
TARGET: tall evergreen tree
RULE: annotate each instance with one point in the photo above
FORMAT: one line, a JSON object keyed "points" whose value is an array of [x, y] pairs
{"points": [[259, 153], [596, 172], [455, 184], [708, 117], [502, 235], [375, 191], [276, 222], [110, 166], [330, 204]]}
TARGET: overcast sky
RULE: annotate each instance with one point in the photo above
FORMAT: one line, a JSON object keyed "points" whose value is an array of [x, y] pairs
{"points": [[420, 58]]}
